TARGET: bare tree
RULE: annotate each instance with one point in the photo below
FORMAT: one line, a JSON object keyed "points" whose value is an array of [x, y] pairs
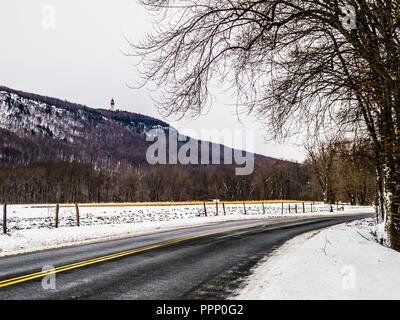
{"points": [[355, 171], [344, 170], [297, 64], [321, 157]]}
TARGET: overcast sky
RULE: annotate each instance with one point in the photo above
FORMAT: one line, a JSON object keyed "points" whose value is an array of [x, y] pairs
{"points": [[72, 50]]}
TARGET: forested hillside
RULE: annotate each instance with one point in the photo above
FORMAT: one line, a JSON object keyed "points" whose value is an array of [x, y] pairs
{"points": [[37, 128], [56, 151]]}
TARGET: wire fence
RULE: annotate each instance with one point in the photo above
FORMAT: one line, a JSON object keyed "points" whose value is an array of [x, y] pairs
{"points": [[36, 216]]}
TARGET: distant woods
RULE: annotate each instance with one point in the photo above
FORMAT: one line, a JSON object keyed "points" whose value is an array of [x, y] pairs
{"points": [[76, 182], [332, 172]]}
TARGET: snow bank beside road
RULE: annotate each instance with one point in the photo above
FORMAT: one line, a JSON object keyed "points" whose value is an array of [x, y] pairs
{"points": [[340, 262]]}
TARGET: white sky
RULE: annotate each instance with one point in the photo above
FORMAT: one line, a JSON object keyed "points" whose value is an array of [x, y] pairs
{"points": [[76, 55]]}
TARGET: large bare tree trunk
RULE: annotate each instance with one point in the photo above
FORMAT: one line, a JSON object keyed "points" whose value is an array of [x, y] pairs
{"points": [[393, 214], [394, 222], [380, 193]]}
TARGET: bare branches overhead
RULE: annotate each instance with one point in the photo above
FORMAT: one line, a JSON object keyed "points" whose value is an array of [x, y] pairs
{"points": [[299, 65], [284, 59]]}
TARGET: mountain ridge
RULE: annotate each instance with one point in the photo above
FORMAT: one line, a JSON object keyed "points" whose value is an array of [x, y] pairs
{"points": [[35, 128]]}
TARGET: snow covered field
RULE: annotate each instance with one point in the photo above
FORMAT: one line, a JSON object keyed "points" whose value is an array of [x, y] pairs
{"points": [[340, 262], [31, 227]]}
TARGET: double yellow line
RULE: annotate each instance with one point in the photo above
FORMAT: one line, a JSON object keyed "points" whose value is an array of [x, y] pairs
{"points": [[9, 282]]}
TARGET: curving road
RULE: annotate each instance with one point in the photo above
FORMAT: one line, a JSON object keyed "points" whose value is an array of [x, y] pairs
{"points": [[204, 262]]}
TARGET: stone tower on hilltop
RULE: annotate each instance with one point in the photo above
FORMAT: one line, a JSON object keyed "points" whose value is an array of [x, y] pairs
{"points": [[112, 107]]}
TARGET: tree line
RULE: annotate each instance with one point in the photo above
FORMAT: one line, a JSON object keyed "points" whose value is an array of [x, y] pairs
{"points": [[341, 175], [63, 182]]}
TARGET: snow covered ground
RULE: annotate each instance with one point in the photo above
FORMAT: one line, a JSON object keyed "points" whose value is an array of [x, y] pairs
{"points": [[31, 227], [340, 262]]}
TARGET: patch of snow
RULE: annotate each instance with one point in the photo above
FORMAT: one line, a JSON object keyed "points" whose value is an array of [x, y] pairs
{"points": [[340, 262], [380, 234], [24, 116]]}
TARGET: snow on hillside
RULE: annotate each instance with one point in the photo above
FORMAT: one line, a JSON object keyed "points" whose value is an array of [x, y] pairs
{"points": [[40, 128], [32, 227], [25, 116], [340, 262]]}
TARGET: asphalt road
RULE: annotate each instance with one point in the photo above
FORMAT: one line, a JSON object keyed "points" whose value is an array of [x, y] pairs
{"points": [[200, 262]]}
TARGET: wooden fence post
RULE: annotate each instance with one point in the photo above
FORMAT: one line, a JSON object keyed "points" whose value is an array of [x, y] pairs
{"points": [[5, 218], [77, 215], [216, 208], [295, 208], [57, 210], [244, 206], [223, 207], [282, 209], [304, 209], [289, 207], [263, 207], [205, 209], [311, 207]]}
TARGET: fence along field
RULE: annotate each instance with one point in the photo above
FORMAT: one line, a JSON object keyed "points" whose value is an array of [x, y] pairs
{"points": [[34, 216]]}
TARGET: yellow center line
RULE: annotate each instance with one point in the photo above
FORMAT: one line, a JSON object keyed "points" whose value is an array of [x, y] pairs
{"points": [[75, 265]]}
